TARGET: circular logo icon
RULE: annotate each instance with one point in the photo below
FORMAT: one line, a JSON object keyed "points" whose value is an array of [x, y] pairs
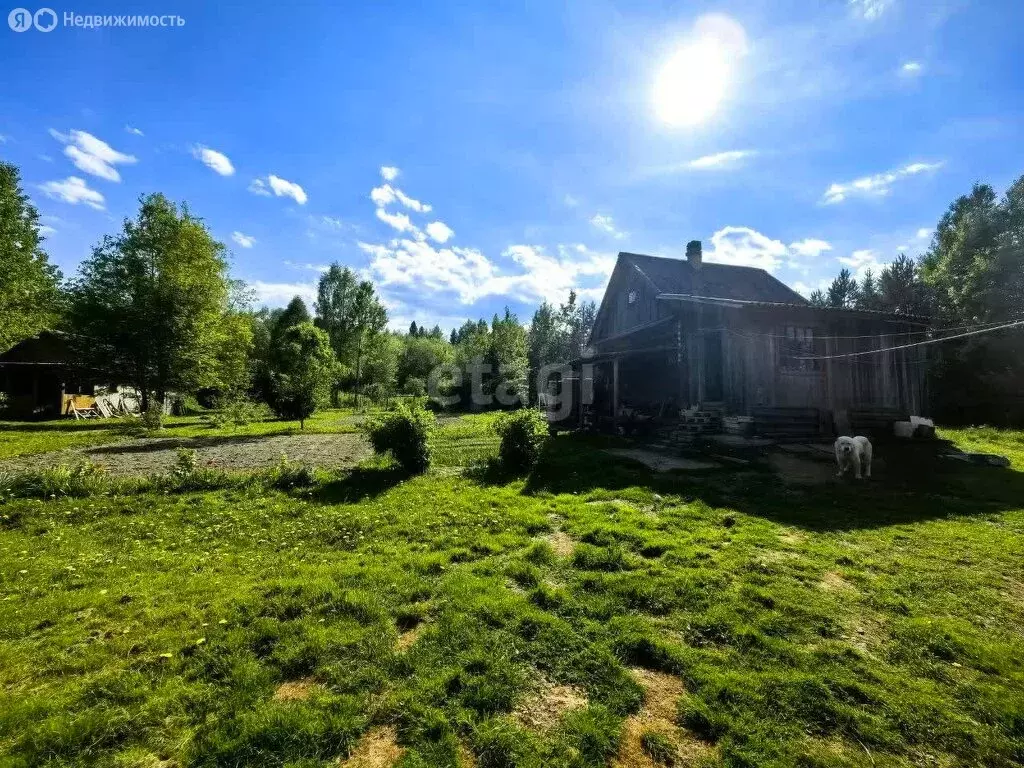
{"points": [[20, 19], [45, 19]]}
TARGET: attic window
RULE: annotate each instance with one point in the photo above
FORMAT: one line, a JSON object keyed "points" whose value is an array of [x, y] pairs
{"points": [[632, 297]]}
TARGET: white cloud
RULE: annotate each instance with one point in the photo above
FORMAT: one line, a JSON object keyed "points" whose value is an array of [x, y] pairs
{"points": [[746, 247], [3, 139], [810, 247], [439, 231], [861, 261], [133, 130], [389, 172], [911, 69], [73, 190], [924, 233], [279, 187], [45, 230], [570, 201], [419, 261], [307, 266], [92, 155], [385, 194], [259, 187], [246, 241], [470, 275], [607, 224], [279, 294], [878, 185], [216, 161], [399, 221], [870, 9], [729, 159], [284, 188], [805, 290]]}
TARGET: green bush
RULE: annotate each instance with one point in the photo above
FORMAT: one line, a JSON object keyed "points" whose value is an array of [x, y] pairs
{"points": [[237, 412], [153, 419], [3, 402], [405, 434], [522, 434]]}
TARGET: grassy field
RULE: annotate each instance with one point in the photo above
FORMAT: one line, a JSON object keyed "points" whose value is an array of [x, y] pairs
{"points": [[589, 614]]}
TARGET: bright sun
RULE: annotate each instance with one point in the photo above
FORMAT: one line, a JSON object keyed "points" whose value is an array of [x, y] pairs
{"points": [[693, 82]]}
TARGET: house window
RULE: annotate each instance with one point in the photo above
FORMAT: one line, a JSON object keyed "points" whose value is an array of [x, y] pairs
{"points": [[632, 297], [797, 345]]}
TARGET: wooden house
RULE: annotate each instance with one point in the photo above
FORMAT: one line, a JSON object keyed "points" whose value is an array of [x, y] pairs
{"points": [[675, 334], [42, 377]]}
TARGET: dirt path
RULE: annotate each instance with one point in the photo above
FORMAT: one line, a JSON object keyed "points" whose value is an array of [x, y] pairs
{"points": [[158, 454]]}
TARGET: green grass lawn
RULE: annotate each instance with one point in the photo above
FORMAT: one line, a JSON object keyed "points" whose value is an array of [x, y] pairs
{"points": [[873, 624]]}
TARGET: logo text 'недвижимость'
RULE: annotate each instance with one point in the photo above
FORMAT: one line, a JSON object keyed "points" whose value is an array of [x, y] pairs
{"points": [[47, 19]]}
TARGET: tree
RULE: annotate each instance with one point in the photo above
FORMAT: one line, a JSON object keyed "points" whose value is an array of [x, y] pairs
{"points": [[351, 314], [578, 319], [29, 296], [152, 301], [421, 355], [843, 291], [380, 369], [412, 328], [900, 289], [304, 372], [868, 296], [817, 298], [959, 264], [975, 265], [508, 359]]}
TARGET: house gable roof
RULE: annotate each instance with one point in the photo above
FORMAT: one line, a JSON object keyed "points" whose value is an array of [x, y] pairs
{"points": [[723, 281], [678, 276]]}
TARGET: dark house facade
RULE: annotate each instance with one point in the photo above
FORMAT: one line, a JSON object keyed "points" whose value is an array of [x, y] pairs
{"points": [[41, 376], [673, 334]]}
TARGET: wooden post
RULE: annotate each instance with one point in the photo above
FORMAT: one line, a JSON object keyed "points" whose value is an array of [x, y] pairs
{"points": [[615, 392]]}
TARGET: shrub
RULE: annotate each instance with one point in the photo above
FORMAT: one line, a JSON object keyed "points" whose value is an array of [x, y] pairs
{"points": [[153, 419], [405, 434], [186, 462], [237, 412], [522, 433], [289, 474], [3, 402]]}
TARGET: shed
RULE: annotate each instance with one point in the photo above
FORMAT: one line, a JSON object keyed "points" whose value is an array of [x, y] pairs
{"points": [[43, 375]]}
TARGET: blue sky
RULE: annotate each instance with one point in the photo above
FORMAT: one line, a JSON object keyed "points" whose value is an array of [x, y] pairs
{"points": [[468, 156]]}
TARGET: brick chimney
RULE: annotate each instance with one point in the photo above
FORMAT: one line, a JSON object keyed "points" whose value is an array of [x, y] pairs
{"points": [[693, 253]]}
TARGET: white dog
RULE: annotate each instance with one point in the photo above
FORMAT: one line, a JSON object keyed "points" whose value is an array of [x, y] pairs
{"points": [[855, 452]]}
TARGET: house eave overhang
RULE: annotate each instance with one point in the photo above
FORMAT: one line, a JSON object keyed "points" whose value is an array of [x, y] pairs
{"points": [[753, 304]]}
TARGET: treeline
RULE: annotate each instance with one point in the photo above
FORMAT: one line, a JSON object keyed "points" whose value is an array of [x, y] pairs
{"points": [[156, 308], [971, 276]]}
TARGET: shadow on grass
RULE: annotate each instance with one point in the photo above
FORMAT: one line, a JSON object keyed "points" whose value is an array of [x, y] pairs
{"points": [[909, 486], [359, 484]]}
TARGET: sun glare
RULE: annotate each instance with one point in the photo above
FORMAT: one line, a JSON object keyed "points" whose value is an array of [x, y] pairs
{"points": [[694, 81]]}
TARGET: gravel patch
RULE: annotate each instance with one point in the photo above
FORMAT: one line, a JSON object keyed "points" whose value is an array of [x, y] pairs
{"points": [[150, 455]]}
